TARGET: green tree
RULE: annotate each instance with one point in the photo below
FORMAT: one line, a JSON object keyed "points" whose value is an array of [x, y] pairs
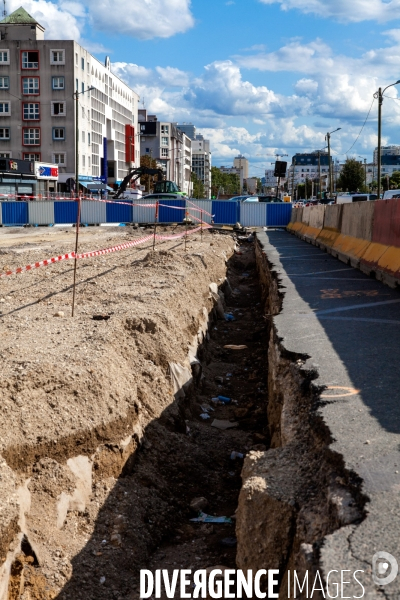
{"points": [[225, 183], [198, 186], [395, 180], [352, 176], [301, 190], [148, 180]]}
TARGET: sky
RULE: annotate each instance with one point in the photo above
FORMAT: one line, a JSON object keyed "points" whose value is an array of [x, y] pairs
{"points": [[256, 77]]}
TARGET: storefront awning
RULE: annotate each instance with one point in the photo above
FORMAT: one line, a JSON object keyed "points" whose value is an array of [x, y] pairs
{"points": [[95, 187]]}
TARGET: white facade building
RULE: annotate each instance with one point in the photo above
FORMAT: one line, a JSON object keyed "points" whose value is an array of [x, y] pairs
{"points": [[38, 80], [169, 146]]}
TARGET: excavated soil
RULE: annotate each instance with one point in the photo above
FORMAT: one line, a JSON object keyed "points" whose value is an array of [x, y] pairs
{"points": [[100, 459]]}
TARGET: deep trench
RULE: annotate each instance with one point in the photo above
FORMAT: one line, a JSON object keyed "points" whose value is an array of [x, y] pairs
{"points": [[147, 516]]}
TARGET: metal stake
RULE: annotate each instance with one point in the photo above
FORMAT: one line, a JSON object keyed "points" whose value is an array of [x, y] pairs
{"points": [[155, 225]]}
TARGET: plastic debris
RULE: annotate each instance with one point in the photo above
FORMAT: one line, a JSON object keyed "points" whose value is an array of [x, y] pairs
{"points": [[233, 347], [205, 416], [221, 400], [235, 455], [223, 424], [229, 317], [206, 408], [204, 518]]}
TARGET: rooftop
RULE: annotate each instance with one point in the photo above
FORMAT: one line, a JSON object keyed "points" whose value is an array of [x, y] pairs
{"points": [[20, 16]]}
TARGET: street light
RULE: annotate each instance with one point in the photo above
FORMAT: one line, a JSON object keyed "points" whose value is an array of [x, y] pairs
{"points": [[328, 139], [379, 96], [76, 95]]}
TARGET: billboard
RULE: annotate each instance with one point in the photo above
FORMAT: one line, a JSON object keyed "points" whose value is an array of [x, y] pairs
{"points": [[280, 168], [46, 171], [15, 165]]}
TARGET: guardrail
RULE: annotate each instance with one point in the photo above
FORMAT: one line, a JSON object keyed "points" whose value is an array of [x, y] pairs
{"points": [[60, 212]]}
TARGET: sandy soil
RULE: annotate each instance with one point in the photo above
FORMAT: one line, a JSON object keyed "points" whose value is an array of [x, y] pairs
{"points": [[78, 394]]}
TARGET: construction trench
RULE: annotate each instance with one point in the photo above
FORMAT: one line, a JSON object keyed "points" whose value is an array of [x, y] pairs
{"points": [[130, 447]]}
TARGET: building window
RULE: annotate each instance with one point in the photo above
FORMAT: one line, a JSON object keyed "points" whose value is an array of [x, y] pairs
{"points": [[4, 83], [5, 154], [30, 59], [76, 59], [83, 161], [58, 83], [31, 111], [4, 57], [83, 87], [165, 129], [31, 136], [83, 64], [60, 159], [4, 133], [32, 156], [88, 139], [88, 67], [77, 85], [164, 152], [57, 57], [58, 133], [83, 136], [30, 86], [5, 109], [58, 109], [164, 141], [147, 150], [88, 162]]}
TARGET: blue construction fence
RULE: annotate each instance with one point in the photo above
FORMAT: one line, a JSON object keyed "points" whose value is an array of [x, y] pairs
{"points": [[220, 212]]}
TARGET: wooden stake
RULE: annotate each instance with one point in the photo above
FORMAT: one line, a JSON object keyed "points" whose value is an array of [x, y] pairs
{"points": [[186, 226], [155, 225], [76, 252], [201, 218]]}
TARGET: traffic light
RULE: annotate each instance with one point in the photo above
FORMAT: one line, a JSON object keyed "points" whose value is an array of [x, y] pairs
{"points": [[280, 168]]}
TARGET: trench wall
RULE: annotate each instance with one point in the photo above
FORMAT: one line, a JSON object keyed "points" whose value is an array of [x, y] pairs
{"points": [[299, 491]]}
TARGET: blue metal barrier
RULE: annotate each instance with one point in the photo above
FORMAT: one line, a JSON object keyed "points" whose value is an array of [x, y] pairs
{"points": [[225, 212], [119, 213], [278, 215], [65, 212], [14, 213], [171, 215]]}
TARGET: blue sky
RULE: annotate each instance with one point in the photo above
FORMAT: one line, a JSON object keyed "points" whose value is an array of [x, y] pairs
{"points": [[257, 77]]}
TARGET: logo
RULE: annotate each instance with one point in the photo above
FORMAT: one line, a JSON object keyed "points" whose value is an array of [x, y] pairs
{"points": [[13, 165], [384, 568]]}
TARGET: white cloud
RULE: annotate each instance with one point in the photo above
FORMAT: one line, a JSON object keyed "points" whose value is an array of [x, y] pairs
{"points": [[343, 10], [143, 19], [61, 22], [172, 77]]}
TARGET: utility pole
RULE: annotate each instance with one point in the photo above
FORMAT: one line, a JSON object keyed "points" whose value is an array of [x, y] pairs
{"points": [[293, 167], [365, 174], [328, 139], [319, 175]]}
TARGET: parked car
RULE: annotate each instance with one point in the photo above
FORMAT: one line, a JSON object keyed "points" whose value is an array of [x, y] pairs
{"points": [[244, 199], [356, 198], [390, 194], [269, 199]]}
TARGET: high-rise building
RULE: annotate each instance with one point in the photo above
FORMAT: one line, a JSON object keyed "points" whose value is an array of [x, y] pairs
{"points": [[38, 112], [241, 163]]}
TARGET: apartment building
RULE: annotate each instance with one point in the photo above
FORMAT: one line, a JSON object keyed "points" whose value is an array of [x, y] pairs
{"points": [[201, 156], [39, 114], [169, 146], [240, 162], [307, 166]]}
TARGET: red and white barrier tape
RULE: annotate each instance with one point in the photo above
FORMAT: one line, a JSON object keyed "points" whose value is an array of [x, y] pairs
{"points": [[141, 240], [42, 263], [199, 209]]}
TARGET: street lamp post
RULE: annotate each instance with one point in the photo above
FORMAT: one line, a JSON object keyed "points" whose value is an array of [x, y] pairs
{"points": [[379, 96], [328, 139]]}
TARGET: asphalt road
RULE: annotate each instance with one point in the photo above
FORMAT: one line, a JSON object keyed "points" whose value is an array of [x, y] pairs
{"points": [[349, 327]]}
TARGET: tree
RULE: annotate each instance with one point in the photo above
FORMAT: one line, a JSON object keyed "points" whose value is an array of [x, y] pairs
{"points": [[225, 183], [352, 176], [395, 180], [198, 186], [301, 189], [148, 180]]}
